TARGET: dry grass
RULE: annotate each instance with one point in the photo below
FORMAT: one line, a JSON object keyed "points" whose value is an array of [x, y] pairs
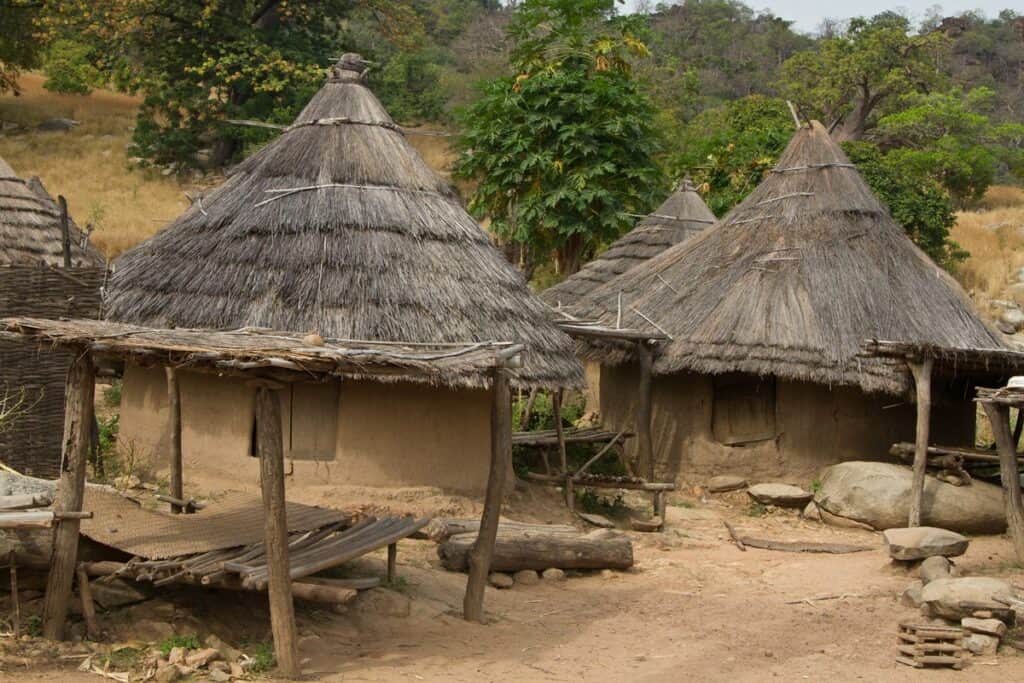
{"points": [[994, 235], [89, 165]]}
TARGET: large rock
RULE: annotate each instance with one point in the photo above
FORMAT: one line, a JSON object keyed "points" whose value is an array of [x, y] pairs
{"points": [[878, 494], [919, 542], [782, 495], [943, 596], [935, 568], [726, 482]]}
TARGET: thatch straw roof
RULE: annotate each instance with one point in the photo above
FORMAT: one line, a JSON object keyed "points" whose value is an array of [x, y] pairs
{"points": [[340, 227], [681, 216], [793, 280], [30, 226]]}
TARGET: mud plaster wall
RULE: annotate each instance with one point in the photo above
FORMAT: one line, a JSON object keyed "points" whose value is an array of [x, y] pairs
{"points": [[816, 426], [386, 434]]}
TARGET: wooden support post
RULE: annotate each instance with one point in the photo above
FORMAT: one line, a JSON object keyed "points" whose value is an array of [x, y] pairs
{"points": [[174, 439], [999, 416], [556, 410], [644, 442], [501, 456], [524, 419], [65, 230], [392, 561], [15, 604], [922, 372], [78, 417], [92, 628], [270, 447]]}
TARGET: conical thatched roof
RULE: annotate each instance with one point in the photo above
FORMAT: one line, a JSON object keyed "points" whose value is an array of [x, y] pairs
{"points": [[682, 215], [793, 280], [339, 226], [30, 226]]}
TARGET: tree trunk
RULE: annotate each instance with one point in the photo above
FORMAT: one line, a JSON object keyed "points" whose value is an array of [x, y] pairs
{"points": [[528, 550], [570, 255], [854, 123]]}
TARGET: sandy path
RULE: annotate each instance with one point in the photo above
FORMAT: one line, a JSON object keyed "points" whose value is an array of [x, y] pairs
{"points": [[695, 608]]}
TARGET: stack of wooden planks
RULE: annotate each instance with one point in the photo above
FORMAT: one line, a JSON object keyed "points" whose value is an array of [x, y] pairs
{"points": [[922, 645]]}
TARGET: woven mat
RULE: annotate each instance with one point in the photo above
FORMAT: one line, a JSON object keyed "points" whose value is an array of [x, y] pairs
{"points": [[234, 520]]}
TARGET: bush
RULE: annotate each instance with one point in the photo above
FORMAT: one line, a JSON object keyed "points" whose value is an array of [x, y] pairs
{"points": [[69, 68]]}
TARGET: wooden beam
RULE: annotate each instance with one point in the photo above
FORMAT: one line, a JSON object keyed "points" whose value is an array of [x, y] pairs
{"points": [[556, 410], [174, 439], [645, 446], [92, 629], [270, 447], [999, 416], [65, 230], [78, 420], [922, 372], [392, 561], [501, 456]]}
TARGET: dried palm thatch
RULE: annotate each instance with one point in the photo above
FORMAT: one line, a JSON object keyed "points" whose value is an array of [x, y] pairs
{"points": [[792, 281], [681, 216], [339, 226], [30, 232]]}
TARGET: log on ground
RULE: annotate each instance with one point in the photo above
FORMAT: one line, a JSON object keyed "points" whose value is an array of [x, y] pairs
{"points": [[516, 550]]}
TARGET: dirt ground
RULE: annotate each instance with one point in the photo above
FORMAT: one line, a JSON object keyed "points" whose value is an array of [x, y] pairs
{"points": [[693, 607]]}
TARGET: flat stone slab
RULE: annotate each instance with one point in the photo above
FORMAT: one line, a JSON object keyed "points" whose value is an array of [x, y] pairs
{"points": [[726, 482], [943, 596], [919, 542], [782, 495]]}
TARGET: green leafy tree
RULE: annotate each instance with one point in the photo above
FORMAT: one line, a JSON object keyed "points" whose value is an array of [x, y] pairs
{"points": [[853, 74], [950, 138], [69, 69], [563, 152], [20, 47], [199, 63], [728, 150]]}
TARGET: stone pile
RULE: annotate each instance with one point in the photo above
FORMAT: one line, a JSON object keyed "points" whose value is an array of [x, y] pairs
{"points": [[525, 577], [984, 607]]}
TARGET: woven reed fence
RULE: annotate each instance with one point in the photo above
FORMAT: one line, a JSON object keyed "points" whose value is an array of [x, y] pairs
{"points": [[32, 442]]}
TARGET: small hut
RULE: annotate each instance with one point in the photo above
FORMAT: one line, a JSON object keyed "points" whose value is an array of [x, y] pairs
{"points": [[681, 216], [765, 315], [340, 229], [47, 269]]}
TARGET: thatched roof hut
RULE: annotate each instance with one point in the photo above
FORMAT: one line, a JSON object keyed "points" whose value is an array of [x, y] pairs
{"points": [[793, 280], [682, 215], [340, 227], [30, 230]]}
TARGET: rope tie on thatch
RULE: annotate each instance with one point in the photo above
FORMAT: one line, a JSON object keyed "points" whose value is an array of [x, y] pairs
{"points": [[666, 283], [754, 220], [812, 167], [289, 191], [785, 196], [670, 218], [656, 326], [344, 120], [13, 179]]}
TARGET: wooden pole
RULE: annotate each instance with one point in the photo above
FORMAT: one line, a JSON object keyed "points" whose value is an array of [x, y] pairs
{"points": [[15, 604], [65, 230], [174, 438], [999, 416], [270, 447], [392, 561], [78, 418], [922, 372], [501, 455], [524, 419], [556, 410], [645, 446], [92, 628]]}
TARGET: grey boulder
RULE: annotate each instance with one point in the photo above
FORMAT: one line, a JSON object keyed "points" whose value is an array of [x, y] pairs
{"points": [[782, 495], [878, 494], [943, 596], [726, 482], [919, 542]]}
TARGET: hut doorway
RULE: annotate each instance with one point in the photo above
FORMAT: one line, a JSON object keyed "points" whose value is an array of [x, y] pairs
{"points": [[309, 421], [743, 409]]}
